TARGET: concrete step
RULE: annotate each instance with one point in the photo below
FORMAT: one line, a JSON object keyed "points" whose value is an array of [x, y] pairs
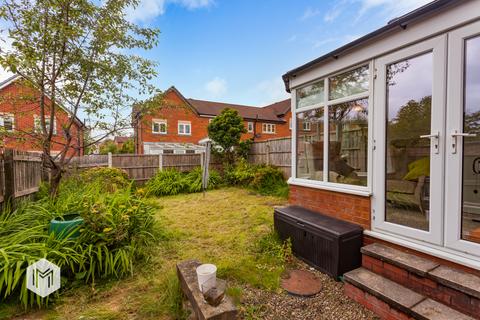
{"points": [[391, 300], [452, 287]]}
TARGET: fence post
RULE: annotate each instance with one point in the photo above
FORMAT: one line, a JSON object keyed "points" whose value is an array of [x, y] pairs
{"points": [[110, 162], [267, 147], [202, 156], [160, 161], [9, 175]]}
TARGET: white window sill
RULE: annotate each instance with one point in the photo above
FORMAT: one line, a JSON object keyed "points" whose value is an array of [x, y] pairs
{"points": [[184, 134], [358, 191], [162, 133]]}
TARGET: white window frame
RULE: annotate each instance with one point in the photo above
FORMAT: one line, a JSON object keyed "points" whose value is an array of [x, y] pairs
{"points": [[159, 122], [307, 126], [325, 184], [184, 124], [269, 128], [250, 127], [11, 116], [37, 125]]}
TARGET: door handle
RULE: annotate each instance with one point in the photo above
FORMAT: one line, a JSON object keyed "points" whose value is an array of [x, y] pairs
{"points": [[435, 137], [456, 134]]}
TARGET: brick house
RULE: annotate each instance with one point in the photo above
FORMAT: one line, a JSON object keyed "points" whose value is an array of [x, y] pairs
{"points": [[181, 123], [386, 136], [20, 118]]}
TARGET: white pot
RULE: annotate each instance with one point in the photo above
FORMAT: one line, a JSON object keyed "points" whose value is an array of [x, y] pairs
{"points": [[207, 277]]}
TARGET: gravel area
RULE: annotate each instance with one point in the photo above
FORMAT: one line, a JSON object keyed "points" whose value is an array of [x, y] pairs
{"points": [[330, 303]]}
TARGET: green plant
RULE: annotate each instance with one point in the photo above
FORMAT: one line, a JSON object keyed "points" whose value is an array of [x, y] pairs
{"points": [[193, 180], [165, 183], [112, 179], [226, 130], [269, 180], [116, 233]]}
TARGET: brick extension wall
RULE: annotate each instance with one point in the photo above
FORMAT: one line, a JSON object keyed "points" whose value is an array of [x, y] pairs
{"points": [[342, 206]]}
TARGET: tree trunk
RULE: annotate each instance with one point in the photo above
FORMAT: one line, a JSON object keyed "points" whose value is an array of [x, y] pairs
{"points": [[55, 178]]}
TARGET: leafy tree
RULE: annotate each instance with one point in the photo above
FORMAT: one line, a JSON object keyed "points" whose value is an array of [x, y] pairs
{"points": [[78, 55], [226, 130], [411, 121], [128, 147], [108, 147]]}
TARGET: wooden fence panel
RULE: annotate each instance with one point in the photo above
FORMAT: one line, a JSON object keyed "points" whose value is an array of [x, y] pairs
{"points": [[89, 161], [276, 152], [139, 167], [182, 162]]}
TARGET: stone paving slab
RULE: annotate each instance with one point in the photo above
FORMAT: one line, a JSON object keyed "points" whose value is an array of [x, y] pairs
{"points": [[433, 310], [410, 262], [457, 279], [391, 292]]}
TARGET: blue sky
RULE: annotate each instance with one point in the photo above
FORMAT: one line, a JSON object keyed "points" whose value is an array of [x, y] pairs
{"points": [[236, 50]]}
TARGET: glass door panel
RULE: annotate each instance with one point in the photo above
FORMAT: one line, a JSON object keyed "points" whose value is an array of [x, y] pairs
{"points": [[407, 178], [409, 108], [471, 144], [462, 175]]}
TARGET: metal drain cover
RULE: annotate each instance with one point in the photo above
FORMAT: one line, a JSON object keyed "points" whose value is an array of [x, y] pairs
{"points": [[301, 283]]}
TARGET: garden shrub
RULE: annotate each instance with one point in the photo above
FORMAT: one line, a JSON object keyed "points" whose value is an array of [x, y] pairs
{"points": [[172, 182], [264, 179], [165, 183], [112, 179], [269, 180], [117, 233]]}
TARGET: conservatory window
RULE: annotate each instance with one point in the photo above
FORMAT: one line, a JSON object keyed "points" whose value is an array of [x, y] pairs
{"points": [[332, 132]]}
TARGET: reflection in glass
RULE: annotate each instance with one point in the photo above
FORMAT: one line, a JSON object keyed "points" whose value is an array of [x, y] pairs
{"points": [[471, 145], [348, 83], [348, 140], [310, 144], [409, 102], [311, 94]]}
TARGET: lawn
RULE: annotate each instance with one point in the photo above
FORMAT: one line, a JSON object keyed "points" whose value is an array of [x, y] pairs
{"points": [[231, 228]]}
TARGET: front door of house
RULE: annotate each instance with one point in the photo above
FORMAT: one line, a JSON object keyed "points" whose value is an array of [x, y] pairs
{"points": [[427, 142], [409, 146], [462, 175]]}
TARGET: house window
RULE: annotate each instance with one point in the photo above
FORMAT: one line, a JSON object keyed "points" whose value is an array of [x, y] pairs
{"points": [[7, 121], [250, 127], [306, 126], [184, 128], [159, 126], [268, 128], [332, 135], [290, 123], [38, 125]]}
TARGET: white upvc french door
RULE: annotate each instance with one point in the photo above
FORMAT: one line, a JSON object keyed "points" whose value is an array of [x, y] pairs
{"points": [[462, 175], [409, 100]]}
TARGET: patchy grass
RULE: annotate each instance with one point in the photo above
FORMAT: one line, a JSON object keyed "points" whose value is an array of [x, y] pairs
{"points": [[231, 228]]}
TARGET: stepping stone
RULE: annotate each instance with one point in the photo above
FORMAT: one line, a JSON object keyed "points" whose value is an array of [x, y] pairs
{"points": [[457, 279], [301, 283], [407, 261]]}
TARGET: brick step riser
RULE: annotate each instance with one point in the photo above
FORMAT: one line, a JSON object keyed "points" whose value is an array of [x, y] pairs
{"points": [[453, 298], [372, 303]]}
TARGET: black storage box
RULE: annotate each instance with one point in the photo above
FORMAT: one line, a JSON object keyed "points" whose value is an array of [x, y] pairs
{"points": [[328, 244]]}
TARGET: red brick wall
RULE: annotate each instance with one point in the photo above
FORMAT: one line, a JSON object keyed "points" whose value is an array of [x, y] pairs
{"points": [[178, 111], [23, 103], [342, 206]]}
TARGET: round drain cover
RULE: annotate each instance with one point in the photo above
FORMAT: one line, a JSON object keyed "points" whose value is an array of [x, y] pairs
{"points": [[302, 283]]}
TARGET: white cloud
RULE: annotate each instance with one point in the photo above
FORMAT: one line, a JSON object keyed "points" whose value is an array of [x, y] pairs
{"points": [[272, 90], [150, 9], [310, 13], [216, 87]]}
